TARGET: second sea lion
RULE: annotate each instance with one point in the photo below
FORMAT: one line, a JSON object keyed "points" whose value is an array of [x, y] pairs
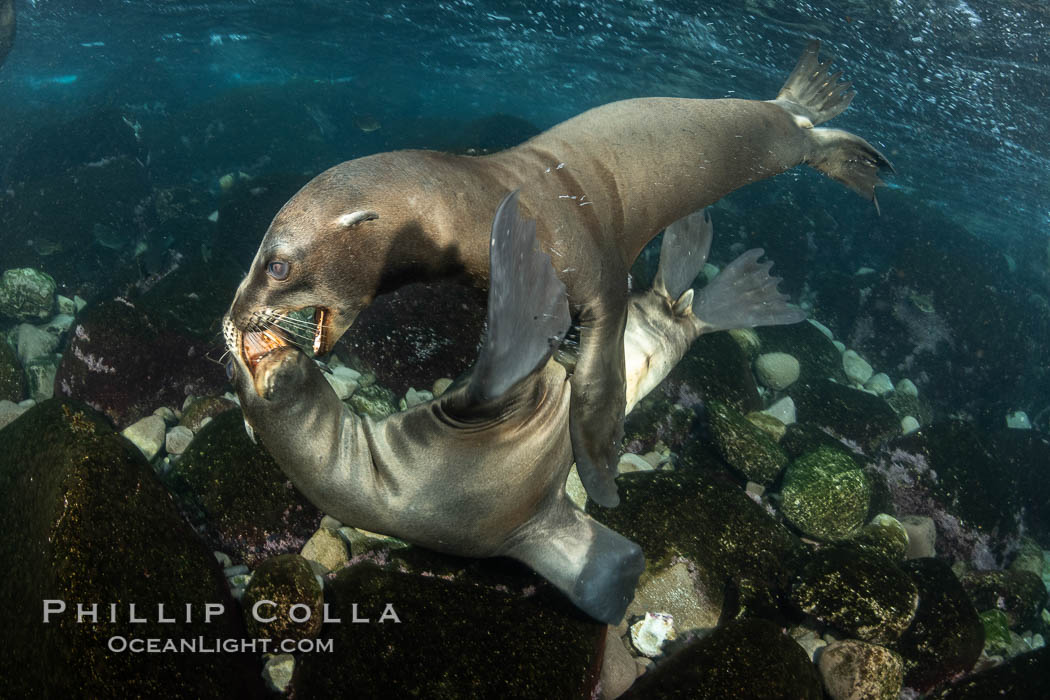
{"points": [[600, 186]]}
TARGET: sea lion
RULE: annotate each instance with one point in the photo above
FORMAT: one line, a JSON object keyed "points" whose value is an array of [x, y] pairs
{"points": [[600, 185], [481, 470], [7, 28]]}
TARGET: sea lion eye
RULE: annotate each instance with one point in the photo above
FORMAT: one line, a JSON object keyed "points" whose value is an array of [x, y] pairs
{"points": [[278, 269]]}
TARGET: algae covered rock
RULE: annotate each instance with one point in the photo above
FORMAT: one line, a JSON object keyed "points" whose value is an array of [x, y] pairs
{"points": [[374, 401], [854, 670], [885, 536], [863, 594], [26, 293], [236, 494], [84, 520], [203, 409], [12, 381], [825, 494], [946, 637], [776, 370], [1025, 676], [732, 542], [749, 658], [1018, 594], [853, 414], [278, 584], [746, 447], [429, 637], [126, 363]]}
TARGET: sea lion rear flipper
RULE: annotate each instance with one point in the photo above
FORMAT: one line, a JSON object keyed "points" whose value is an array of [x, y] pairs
{"points": [[597, 568], [744, 295], [683, 253], [528, 312], [814, 95]]}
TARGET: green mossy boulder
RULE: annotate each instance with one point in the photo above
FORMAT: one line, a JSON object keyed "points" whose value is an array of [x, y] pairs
{"points": [[1022, 677], [12, 380], [817, 356], [862, 594], [705, 518], [825, 495], [233, 491], [26, 293], [200, 410], [746, 447], [997, 638], [1019, 594], [855, 415], [854, 670], [946, 637], [715, 367], [84, 520], [749, 658], [374, 400], [286, 581], [885, 536], [452, 641]]}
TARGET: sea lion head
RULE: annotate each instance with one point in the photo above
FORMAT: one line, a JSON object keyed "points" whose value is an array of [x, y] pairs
{"points": [[353, 232]]}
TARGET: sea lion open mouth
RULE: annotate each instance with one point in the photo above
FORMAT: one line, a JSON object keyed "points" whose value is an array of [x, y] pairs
{"points": [[255, 345], [287, 329]]}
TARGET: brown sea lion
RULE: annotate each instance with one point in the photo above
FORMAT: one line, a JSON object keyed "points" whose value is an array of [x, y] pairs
{"points": [[481, 470], [600, 186]]}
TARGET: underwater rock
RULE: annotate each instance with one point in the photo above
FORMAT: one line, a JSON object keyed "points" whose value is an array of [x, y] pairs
{"points": [[87, 521], [40, 376], [26, 293], [193, 298], [849, 413], [737, 548], [1020, 595], [744, 446], [1025, 676], [619, 669], [9, 411], [880, 384], [233, 491], [817, 356], [452, 640], [922, 536], [776, 370], [856, 368], [748, 658], [326, 548], [854, 670], [147, 434], [203, 409], [419, 333], [672, 590], [12, 380], [374, 401], [285, 581], [909, 425], [177, 440], [825, 494], [125, 363], [32, 342], [863, 594], [783, 410], [278, 672], [946, 637], [962, 478], [769, 425], [885, 536]]}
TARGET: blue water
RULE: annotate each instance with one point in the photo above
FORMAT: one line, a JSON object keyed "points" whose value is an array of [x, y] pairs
{"points": [[954, 92]]}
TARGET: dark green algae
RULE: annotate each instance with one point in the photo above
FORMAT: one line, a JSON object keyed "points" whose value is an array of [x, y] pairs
{"points": [[85, 520], [453, 641], [233, 491], [285, 580], [12, 381]]}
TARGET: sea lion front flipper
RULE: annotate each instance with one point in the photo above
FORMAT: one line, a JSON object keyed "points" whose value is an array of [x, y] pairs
{"points": [[597, 568], [599, 397], [528, 311], [683, 253]]}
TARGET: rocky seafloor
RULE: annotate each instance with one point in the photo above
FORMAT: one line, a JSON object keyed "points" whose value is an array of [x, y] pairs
{"points": [[854, 509]]}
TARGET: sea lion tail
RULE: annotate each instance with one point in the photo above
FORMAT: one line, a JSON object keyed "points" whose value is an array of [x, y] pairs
{"points": [[528, 310], [744, 295], [683, 253], [811, 91], [849, 159]]}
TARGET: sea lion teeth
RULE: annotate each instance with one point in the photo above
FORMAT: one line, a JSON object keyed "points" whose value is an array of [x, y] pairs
{"points": [[320, 346], [255, 345]]}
